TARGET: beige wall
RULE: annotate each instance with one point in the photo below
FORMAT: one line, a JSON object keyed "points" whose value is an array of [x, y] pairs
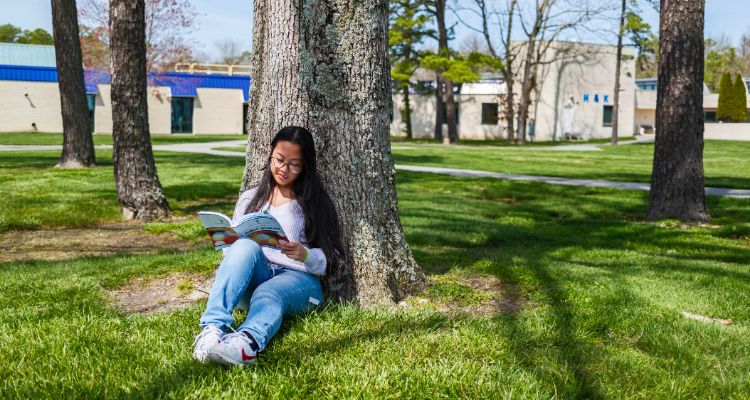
{"points": [[726, 131], [42, 106], [159, 110], [561, 107], [218, 111], [423, 117]]}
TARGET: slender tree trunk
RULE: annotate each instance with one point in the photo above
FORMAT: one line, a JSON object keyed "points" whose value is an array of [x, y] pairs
{"points": [[138, 189], [324, 65], [439, 117], [450, 102], [406, 115], [78, 145], [618, 63], [523, 106], [509, 111], [677, 178], [450, 112]]}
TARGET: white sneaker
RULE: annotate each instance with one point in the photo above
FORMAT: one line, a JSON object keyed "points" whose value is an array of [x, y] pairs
{"points": [[209, 336], [234, 349]]}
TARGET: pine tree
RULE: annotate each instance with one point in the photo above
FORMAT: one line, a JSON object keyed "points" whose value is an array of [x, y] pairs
{"points": [[726, 89], [740, 100]]}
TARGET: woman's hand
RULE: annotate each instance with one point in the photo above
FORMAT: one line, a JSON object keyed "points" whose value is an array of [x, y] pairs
{"points": [[294, 250]]}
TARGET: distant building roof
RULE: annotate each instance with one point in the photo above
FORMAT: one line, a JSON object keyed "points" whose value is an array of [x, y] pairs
{"points": [[27, 54], [181, 84]]}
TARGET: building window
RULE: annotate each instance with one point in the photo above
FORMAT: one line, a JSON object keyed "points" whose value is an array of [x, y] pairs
{"points": [[709, 116], [445, 115], [489, 113], [91, 102], [607, 116], [182, 115]]}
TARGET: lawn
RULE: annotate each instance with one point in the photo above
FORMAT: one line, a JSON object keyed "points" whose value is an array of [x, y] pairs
{"points": [[596, 297], [726, 163], [38, 138]]}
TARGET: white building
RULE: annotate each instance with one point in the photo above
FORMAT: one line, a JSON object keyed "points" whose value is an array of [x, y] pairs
{"points": [[177, 102], [574, 98]]}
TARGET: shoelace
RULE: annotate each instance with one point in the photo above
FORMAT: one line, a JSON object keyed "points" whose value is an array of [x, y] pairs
{"points": [[203, 333], [240, 335]]}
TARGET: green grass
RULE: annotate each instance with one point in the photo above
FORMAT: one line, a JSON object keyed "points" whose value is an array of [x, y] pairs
{"points": [[601, 289], [398, 140], [38, 138], [726, 163]]}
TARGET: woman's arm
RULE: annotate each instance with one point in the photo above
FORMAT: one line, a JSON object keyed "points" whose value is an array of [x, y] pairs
{"points": [[310, 260]]}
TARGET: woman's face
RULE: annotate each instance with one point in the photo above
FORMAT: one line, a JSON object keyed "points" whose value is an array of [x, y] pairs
{"points": [[286, 163]]}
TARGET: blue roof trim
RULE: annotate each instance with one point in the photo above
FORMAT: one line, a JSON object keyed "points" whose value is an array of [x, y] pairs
{"points": [[181, 84]]}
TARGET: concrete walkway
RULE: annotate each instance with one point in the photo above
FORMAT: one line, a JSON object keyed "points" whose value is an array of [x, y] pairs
{"points": [[208, 148], [561, 147]]}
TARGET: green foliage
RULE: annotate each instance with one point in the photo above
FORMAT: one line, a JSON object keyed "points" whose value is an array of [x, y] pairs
{"points": [[10, 33], [459, 68], [726, 102], [720, 59], [740, 100], [645, 41], [407, 30]]}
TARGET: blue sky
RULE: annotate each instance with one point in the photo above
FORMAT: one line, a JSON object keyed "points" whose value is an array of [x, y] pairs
{"points": [[232, 19]]}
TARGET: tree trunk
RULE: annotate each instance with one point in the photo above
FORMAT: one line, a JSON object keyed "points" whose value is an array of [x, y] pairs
{"points": [[406, 115], [78, 145], [450, 112], [450, 103], [509, 111], [618, 63], [324, 65], [439, 117], [677, 178], [138, 189], [523, 106]]}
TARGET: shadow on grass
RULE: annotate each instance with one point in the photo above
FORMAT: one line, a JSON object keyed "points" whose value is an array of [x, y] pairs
{"points": [[520, 232]]}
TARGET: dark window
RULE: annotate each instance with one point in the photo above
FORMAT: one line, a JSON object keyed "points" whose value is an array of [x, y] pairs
{"points": [[182, 115], [607, 116], [445, 116], [709, 116], [489, 113], [91, 102]]}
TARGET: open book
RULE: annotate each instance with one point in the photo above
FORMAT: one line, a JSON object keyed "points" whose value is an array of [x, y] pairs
{"points": [[263, 228]]}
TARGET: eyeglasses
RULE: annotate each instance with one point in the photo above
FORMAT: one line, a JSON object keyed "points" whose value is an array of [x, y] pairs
{"points": [[279, 163]]}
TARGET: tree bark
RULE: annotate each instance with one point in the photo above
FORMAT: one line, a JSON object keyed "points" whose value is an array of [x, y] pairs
{"points": [[407, 113], [323, 65], [439, 117], [78, 145], [138, 189], [618, 63], [677, 178]]}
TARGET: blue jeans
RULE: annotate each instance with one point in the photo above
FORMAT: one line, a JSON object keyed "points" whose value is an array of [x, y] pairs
{"points": [[244, 274]]}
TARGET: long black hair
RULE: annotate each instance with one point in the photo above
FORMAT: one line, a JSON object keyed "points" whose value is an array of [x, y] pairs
{"points": [[322, 227]]}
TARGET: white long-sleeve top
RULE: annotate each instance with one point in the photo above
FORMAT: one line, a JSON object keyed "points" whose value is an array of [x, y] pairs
{"points": [[292, 220]]}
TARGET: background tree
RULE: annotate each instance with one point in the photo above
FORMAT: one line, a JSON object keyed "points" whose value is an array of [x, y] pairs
{"points": [[720, 58], [78, 145], [231, 53], [10, 33], [138, 188], [168, 23], [618, 66], [740, 100], [677, 188], [336, 55], [445, 104], [644, 40], [406, 33], [726, 103]]}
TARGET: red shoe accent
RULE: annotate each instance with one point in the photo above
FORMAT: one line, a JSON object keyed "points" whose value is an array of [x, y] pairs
{"points": [[246, 357]]}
